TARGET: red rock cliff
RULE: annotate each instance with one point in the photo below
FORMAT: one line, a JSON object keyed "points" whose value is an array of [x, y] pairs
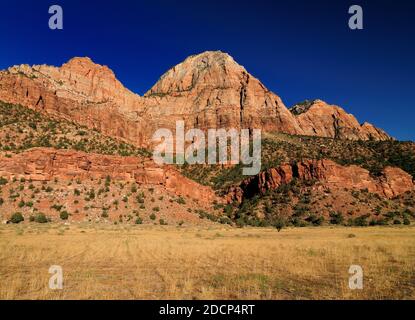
{"points": [[44, 164], [209, 90], [392, 182]]}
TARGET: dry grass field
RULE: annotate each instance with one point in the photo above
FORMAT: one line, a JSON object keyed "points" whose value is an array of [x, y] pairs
{"points": [[166, 262]]}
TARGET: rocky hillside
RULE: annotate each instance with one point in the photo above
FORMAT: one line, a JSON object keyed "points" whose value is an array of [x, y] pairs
{"points": [[74, 145], [53, 169], [209, 90], [314, 181]]}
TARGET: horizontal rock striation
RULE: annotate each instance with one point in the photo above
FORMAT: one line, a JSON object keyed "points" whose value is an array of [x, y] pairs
{"points": [[209, 90], [46, 164]]}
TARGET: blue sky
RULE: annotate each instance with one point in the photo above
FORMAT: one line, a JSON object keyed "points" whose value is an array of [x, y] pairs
{"points": [[300, 50]]}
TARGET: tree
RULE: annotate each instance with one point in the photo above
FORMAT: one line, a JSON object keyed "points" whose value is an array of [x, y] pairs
{"points": [[279, 224]]}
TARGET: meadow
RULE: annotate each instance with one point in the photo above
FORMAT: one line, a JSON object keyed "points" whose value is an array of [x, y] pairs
{"points": [[102, 261]]}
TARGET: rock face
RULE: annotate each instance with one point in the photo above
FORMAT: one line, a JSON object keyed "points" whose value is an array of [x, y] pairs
{"points": [[209, 90], [392, 182], [317, 118], [44, 164]]}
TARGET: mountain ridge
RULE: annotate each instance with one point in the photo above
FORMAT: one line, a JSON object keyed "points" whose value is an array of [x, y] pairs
{"points": [[207, 90]]}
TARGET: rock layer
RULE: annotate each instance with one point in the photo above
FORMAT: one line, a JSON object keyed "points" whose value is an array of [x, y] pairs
{"points": [[392, 182], [209, 90], [45, 164], [317, 118]]}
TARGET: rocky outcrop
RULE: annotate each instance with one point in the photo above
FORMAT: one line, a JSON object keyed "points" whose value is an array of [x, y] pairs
{"points": [[392, 182], [317, 118], [45, 164], [209, 90]]}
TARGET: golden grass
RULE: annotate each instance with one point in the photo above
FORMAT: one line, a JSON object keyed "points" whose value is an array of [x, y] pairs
{"points": [[154, 262]]}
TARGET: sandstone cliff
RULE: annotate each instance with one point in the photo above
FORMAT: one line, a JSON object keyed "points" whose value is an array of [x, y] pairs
{"points": [[45, 164], [317, 118], [392, 182], [209, 90]]}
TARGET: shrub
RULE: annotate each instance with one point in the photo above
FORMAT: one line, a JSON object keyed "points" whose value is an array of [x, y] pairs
{"points": [[396, 221], [57, 207], [17, 218], [361, 221], [180, 200], [29, 204], [138, 221], [31, 218], [153, 216], [336, 218], [3, 181], [224, 220], [162, 222], [406, 222], [228, 210], [21, 204], [140, 199], [64, 215], [41, 218], [104, 214], [316, 221], [156, 209], [1, 201]]}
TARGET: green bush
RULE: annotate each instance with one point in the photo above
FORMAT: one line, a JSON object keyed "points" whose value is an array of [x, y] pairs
{"points": [[153, 216], [41, 218], [180, 200], [336, 218], [17, 218], [3, 181], [64, 215], [406, 222], [138, 221], [57, 207], [361, 221]]}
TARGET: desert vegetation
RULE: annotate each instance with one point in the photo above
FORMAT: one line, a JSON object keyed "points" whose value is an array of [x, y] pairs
{"points": [[176, 262], [22, 129]]}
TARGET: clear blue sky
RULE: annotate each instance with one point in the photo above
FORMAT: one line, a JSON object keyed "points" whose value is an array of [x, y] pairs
{"points": [[300, 50]]}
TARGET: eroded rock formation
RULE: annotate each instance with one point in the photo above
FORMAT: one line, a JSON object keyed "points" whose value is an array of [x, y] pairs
{"points": [[392, 182], [45, 164], [209, 90]]}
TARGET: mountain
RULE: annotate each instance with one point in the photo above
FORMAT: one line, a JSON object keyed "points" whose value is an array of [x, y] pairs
{"points": [[209, 90], [317, 118], [74, 142]]}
